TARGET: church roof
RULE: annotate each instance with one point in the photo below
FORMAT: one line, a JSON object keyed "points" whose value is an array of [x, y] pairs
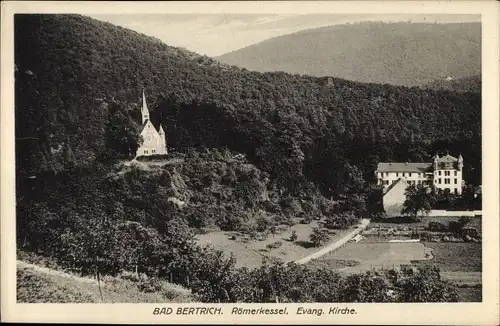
{"points": [[447, 159], [403, 167]]}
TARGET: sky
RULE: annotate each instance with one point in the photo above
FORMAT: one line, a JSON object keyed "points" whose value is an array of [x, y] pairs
{"points": [[216, 34]]}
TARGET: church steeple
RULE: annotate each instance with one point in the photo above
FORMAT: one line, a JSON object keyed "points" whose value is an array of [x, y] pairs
{"points": [[144, 109]]}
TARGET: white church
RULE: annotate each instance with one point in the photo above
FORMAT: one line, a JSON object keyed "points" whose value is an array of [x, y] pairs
{"points": [[154, 141]]}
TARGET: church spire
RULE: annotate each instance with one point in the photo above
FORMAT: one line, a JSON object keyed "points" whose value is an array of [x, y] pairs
{"points": [[144, 110]]}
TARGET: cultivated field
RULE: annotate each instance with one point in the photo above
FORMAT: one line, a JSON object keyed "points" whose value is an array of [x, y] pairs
{"points": [[456, 257], [475, 222], [460, 262], [369, 255], [249, 253]]}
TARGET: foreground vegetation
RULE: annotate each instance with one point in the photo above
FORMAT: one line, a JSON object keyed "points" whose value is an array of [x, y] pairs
{"points": [[40, 285]]}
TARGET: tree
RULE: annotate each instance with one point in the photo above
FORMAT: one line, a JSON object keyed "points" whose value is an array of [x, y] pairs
{"points": [[92, 248], [419, 199], [425, 285], [365, 287], [340, 221], [457, 226], [122, 134], [318, 237]]}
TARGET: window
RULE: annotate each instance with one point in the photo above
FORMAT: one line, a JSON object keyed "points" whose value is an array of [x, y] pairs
{"points": [[409, 174], [387, 182], [397, 174], [145, 152], [439, 172], [446, 181], [456, 181], [153, 151], [439, 180], [455, 173], [403, 174]]}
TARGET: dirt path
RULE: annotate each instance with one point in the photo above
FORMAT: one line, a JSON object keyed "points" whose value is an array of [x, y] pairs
{"points": [[364, 223], [49, 271]]}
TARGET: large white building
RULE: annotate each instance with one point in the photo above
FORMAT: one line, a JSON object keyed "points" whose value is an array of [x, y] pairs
{"points": [[154, 141], [443, 173]]}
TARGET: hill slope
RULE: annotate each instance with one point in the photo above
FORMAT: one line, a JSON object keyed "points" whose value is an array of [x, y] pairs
{"points": [[466, 84], [394, 53], [73, 72], [37, 284]]}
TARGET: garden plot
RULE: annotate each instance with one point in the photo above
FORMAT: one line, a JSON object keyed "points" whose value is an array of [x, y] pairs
{"points": [[377, 255]]}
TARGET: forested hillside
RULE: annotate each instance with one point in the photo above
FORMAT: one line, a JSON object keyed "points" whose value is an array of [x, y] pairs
{"points": [[399, 53], [247, 150], [71, 68], [466, 84]]}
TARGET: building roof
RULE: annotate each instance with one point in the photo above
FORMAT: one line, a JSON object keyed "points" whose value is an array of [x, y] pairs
{"points": [[447, 159], [400, 180], [403, 167]]}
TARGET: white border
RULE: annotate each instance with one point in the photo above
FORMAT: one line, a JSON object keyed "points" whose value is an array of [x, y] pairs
{"points": [[485, 313]]}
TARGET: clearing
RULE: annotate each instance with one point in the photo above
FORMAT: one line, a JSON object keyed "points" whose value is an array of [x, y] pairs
{"points": [[249, 253]]}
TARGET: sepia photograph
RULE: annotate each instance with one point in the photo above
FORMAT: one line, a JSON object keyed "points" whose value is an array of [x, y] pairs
{"points": [[236, 158]]}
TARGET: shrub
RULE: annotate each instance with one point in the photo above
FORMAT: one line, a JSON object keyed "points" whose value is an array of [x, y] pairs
{"points": [[437, 227], [341, 221], [319, 236], [152, 158], [275, 245], [306, 220]]}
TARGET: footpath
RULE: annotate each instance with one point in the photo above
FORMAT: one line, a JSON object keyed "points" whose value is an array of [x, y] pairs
{"points": [[364, 223]]}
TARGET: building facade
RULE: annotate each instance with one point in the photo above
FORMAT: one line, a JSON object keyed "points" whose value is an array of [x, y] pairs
{"points": [[443, 173], [154, 141]]}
